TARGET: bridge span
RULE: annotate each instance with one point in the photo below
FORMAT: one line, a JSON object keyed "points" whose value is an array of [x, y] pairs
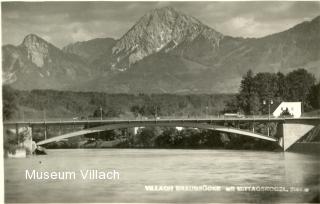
{"points": [[292, 129], [158, 123]]}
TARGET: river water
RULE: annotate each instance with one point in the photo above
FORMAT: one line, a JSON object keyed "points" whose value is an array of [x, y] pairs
{"points": [[139, 168]]}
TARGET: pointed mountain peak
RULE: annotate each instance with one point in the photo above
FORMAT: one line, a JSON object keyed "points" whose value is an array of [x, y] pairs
{"points": [[32, 38], [165, 10], [167, 15], [37, 49], [161, 28], [32, 35]]}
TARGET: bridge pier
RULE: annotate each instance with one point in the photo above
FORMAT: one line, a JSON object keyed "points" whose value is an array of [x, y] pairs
{"points": [[17, 133], [23, 132]]}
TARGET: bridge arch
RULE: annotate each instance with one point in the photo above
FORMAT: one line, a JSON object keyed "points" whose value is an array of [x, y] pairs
{"points": [[132, 124]]}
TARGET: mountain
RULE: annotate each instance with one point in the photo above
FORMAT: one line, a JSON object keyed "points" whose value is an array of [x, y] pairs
{"points": [[37, 64], [161, 30], [165, 51], [284, 51]]}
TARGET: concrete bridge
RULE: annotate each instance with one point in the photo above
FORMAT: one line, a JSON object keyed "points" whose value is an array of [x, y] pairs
{"points": [[290, 129]]}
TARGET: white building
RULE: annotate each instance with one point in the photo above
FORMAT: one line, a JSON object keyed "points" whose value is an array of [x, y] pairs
{"points": [[294, 109]]}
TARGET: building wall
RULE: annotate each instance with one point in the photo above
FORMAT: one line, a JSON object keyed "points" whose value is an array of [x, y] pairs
{"points": [[293, 107]]}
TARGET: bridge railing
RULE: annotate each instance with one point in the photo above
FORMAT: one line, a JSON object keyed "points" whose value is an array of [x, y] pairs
{"points": [[79, 119], [96, 119]]}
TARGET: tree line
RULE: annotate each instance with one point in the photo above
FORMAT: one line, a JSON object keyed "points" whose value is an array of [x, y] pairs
{"points": [[297, 85], [40, 104]]}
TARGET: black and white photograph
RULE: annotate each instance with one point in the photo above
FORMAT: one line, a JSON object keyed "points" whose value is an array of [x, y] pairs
{"points": [[160, 101]]}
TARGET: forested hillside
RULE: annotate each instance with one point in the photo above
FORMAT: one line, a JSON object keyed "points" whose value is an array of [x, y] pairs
{"points": [[40, 104]]}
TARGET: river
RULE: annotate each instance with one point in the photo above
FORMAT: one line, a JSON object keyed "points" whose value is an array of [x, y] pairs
{"points": [[141, 167]]}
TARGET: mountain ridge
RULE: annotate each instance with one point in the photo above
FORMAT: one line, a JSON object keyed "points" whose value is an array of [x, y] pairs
{"points": [[36, 63], [165, 51]]}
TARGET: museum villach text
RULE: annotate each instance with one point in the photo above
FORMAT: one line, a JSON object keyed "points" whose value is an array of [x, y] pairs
{"points": [[88, 174]]}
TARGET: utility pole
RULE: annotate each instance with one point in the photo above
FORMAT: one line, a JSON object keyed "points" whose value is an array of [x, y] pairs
{"points": [[207, 108], [45, 130], [100, 112], [270, 102], [17, 133]]}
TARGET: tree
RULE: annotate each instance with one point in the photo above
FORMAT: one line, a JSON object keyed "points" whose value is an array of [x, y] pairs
{"points": [[146, 136], [282, 86], [254, 103], [112, 112], [314, 96], [136, 110], [232, 105], [246, 91], [266, 85], [167, 138], [299, 83], [285, 112], [97, 113], [154, 110], [9, 102]]}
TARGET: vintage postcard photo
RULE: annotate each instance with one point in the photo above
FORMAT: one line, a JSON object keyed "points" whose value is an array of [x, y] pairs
{"points": [[161, 101]]}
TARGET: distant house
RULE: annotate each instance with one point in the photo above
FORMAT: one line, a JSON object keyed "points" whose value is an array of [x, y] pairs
{"points": [[294, 108]]}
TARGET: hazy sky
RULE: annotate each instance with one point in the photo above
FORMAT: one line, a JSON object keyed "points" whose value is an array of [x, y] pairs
{"points": [[62, 23]]}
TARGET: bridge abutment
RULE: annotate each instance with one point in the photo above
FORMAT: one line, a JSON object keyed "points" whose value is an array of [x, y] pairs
{"points": [[24, 138], [292, 132]]}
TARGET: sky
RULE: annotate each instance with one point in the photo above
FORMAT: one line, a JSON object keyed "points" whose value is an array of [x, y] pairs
{"points": [[62, 23]]}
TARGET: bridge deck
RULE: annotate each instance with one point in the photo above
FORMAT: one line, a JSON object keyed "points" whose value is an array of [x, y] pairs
{"points": [[201, 120]]}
